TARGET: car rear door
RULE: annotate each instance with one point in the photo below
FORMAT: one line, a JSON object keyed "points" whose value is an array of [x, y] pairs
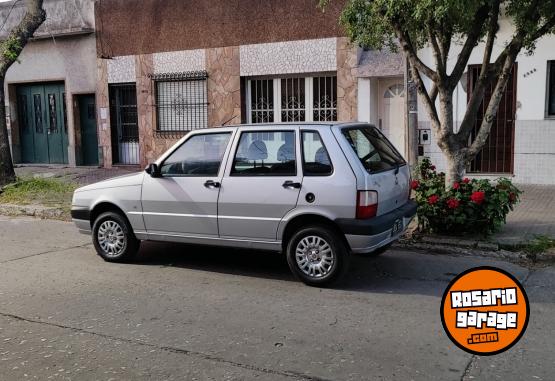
{"points": [[261, 184]]}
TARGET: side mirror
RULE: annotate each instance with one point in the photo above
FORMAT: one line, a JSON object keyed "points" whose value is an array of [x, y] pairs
{"points": [[153, 170]]}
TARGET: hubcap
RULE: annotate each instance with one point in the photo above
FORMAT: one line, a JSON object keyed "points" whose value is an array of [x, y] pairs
{"points": [[314, 256], [111, 238]]}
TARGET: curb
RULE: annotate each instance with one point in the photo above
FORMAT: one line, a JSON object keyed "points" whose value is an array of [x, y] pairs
{"points": [[37, 211]]}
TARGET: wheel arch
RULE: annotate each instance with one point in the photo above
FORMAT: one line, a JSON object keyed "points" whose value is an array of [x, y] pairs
{"points": [[103, 207], [307, 219]]}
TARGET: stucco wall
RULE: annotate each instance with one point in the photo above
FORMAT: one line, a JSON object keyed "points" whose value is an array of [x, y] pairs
{"points": [[534, 145], [71, 60]]}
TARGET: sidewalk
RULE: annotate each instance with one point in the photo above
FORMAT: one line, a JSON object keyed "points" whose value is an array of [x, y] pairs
{"points": [[535, 215]]}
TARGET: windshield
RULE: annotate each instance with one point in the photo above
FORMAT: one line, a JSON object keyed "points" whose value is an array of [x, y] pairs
{"points": [[375, 152]]}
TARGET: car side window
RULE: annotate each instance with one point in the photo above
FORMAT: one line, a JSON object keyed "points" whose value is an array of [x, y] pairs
{"points": [[316, 161], [201, 155], [265, 153]]}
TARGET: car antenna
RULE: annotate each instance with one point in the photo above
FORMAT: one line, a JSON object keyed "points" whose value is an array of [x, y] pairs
{"points": [[229, 120]]}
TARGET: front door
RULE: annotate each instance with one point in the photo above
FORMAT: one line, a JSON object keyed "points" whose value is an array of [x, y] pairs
{"points": [[89, 137], [497, 154], [124, 123], [184, 200], [42, 123], [392, 112], [261, 184]]}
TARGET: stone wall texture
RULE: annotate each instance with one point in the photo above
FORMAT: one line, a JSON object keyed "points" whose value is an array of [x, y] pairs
{"points": [[346, 80], [223, 86], [103, 124], [121, 69], [180, 61], [305, 56]]}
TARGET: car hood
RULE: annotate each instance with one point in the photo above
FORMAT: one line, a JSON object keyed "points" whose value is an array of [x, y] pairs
{"points": [[120, 181]]}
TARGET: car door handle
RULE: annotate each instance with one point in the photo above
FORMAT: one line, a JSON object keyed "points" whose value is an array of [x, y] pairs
{"points": [[212, 184], [291, 185]]}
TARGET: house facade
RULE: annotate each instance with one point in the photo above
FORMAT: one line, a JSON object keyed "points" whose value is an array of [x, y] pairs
{"points": [[50, 89], [521, 145], [260, 62]]}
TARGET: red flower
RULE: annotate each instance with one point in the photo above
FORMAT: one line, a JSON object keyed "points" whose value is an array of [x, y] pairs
{"points": [[512, 197], [433, 167], [478, 197], [414, 184], [456, 185], [433, 199], [453, 203], [466, 180]]}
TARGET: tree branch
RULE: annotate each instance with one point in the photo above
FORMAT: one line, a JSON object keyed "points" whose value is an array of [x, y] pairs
{"points": [[470, 43], [20, 35], [438, 55], [493, 106], [410, 51], [428, 103]]}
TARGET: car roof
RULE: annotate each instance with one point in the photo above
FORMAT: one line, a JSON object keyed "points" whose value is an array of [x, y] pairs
{"points": [[316, 125]]}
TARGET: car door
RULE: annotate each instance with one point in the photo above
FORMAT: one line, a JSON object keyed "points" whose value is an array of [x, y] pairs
{"points": [[261, 183], [183, 199]]}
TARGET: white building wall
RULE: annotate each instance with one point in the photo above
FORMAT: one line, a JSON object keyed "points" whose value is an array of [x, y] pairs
{"points": [[534, 144]]}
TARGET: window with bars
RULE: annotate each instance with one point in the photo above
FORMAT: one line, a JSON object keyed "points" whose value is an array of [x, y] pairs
{"points": [[292, 99], [181, 102]]}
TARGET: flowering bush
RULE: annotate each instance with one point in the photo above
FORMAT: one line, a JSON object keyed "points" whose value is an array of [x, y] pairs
{"points": [[468, 206]]}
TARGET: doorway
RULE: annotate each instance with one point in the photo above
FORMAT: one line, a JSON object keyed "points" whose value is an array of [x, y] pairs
{"points": [[391, 114], [497, 154], [124, 123], [42, 119], [89, 135]]}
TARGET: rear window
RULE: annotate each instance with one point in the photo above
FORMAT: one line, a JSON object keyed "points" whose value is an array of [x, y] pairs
{"points": [[375, 152]]}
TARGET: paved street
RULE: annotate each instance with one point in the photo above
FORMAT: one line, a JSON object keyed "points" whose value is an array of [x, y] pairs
{"points": [[186, 312]]}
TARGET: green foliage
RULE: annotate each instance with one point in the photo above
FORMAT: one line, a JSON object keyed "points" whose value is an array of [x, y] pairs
{"points": [[540, 244], [469, 206], [370, 22], [11, 48], [50, 192]]}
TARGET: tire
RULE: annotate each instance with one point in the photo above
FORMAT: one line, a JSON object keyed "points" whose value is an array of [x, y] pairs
{"points": [[321, 270], [377, 252], [113, 238]]}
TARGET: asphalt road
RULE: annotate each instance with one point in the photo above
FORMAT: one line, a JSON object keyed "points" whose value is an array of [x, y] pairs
{"points": [[188, 312]]}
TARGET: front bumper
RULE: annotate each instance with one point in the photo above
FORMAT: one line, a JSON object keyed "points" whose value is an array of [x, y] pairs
{"points": [[80, 217], [365, 236]]}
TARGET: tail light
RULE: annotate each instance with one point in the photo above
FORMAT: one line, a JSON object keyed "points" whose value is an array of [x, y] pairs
{"points": [[367, 204]]}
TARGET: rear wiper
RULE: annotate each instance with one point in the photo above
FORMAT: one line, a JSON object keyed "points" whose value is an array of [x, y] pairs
{"points": [[396, 168]]}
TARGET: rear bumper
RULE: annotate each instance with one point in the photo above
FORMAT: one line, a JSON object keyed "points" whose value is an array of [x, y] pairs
{"points": [[365, 236]]}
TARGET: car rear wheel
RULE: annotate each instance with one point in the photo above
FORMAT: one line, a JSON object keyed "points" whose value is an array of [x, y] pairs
{"points": [[113, 238], [317, 255]]}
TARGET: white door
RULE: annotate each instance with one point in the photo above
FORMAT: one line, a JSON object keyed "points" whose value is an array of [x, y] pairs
{"points": [[392, 112]]}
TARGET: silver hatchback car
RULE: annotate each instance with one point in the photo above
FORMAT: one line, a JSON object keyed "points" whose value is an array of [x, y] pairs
{"points": [[317, 192]]}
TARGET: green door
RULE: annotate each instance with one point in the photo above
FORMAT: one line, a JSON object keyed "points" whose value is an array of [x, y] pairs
{"points": [[89, 137], [43, 127]]}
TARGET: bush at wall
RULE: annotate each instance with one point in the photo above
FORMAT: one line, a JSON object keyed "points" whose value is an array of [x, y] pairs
{"points": [[468, 206]]}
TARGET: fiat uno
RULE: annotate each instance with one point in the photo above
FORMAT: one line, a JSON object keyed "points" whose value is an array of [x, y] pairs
{"points": [[317, 192]]}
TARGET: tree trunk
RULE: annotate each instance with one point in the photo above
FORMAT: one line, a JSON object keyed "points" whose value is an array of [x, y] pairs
{"points": [[7, 173], [456, 167]]}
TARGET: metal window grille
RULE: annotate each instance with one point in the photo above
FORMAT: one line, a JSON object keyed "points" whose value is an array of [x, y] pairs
{"points": [[22, 112], [124, 123], [52, 113], [324, 102], [262, 100], [293, 100], [37, 105], [181, 102]]}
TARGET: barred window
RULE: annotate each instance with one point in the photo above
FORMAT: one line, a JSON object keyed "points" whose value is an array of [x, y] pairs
{"points": [[292, 99], [324, 98], [181, 102]]}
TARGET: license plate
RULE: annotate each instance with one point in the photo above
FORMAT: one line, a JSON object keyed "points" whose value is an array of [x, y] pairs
{"points": [[397, 226]]}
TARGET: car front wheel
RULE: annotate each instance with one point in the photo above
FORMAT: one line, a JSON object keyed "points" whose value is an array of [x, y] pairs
{"points": [[317, 255], [113, 238]]}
